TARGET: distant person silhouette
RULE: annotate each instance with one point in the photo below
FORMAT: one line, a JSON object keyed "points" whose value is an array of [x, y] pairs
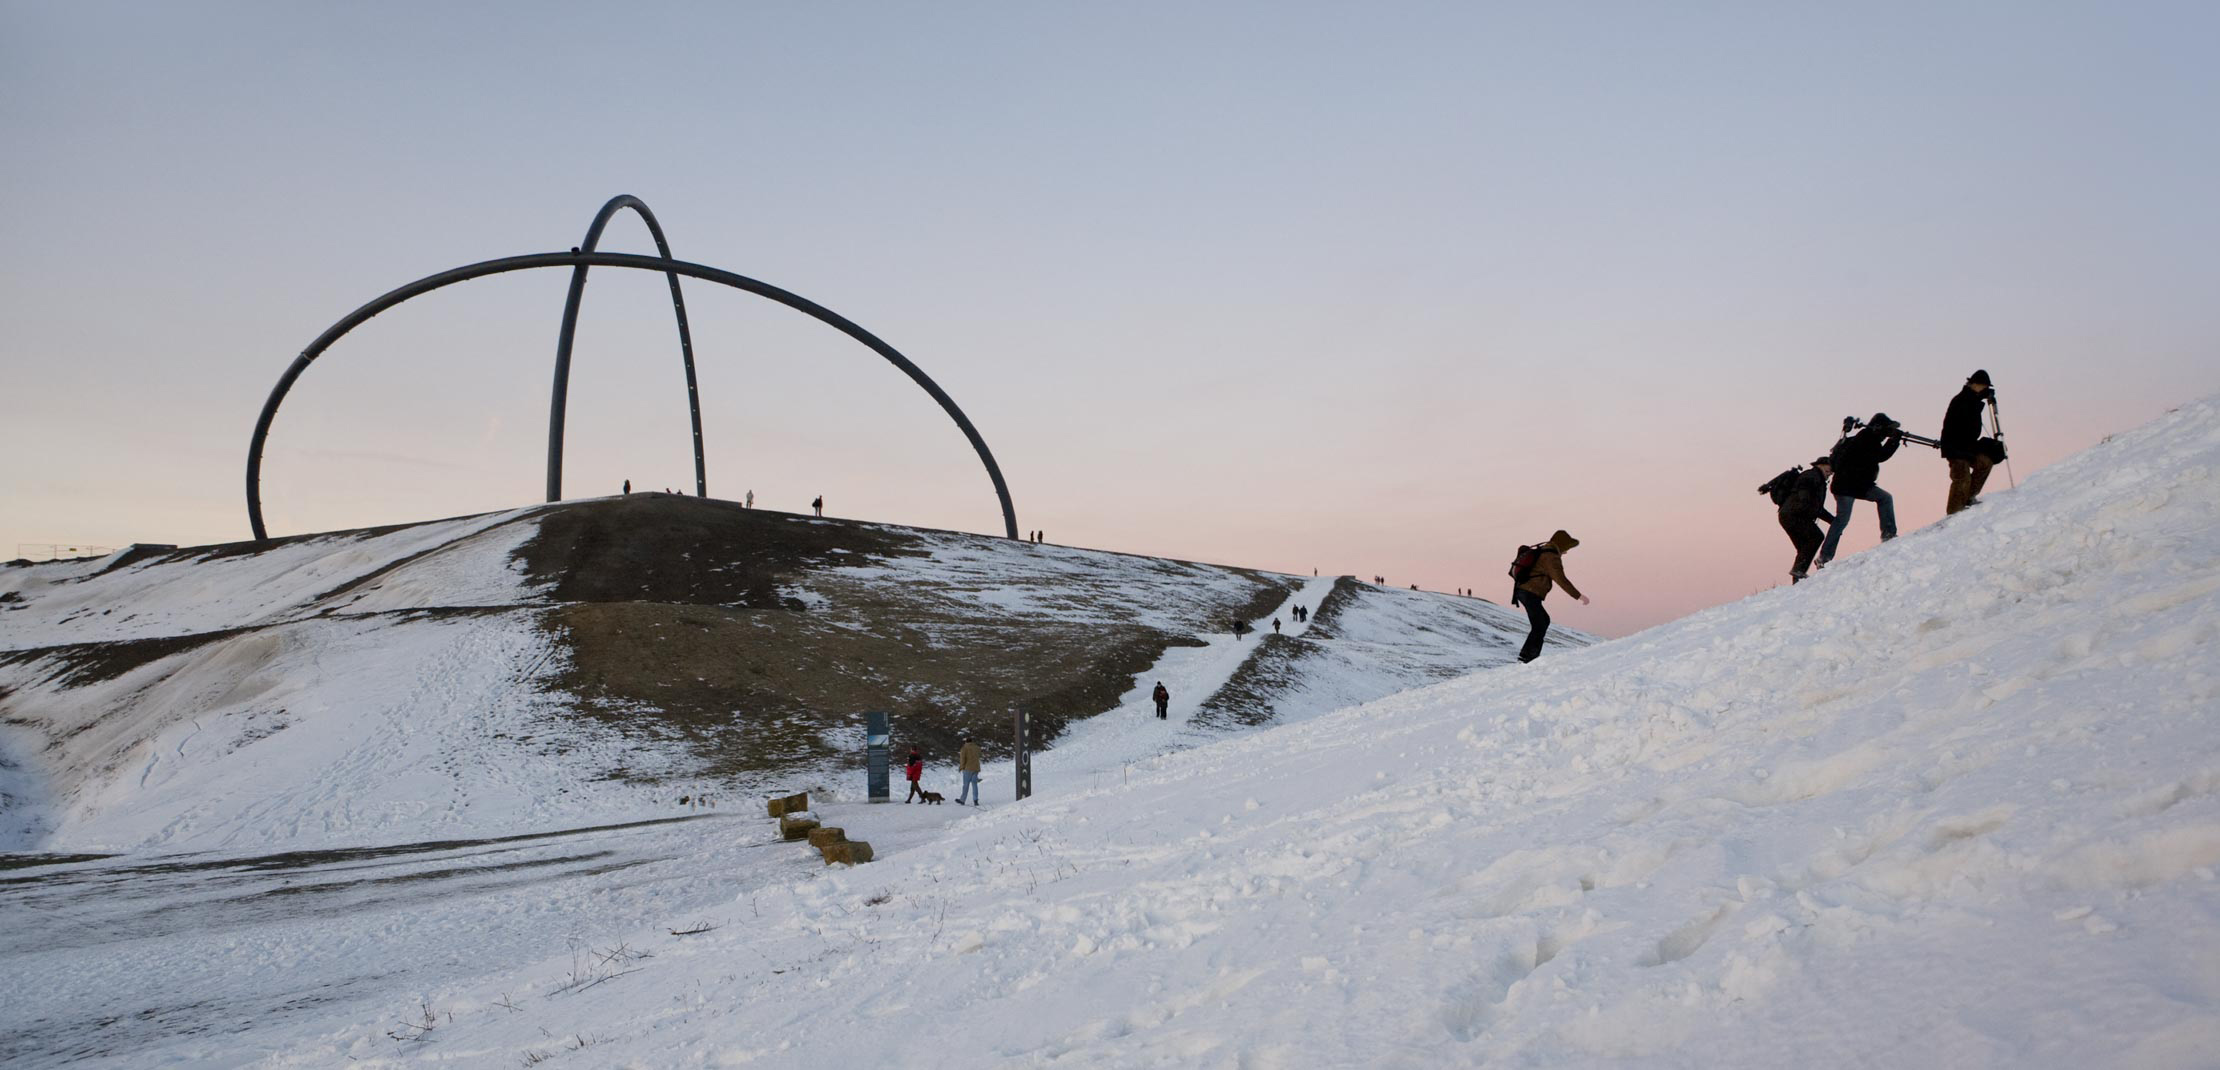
{"points": [[628, 488], [1163, 701], [819, 505], [915, 769], [749, 501], [1275, 626]]}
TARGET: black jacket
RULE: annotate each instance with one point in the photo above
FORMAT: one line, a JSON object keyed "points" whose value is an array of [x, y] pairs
{"points": [[1858, 460], [1962, 425], [1807, 499]]}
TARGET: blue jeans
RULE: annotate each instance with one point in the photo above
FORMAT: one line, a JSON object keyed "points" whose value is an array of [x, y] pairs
{"points": [[971, 789], [1844, 503]]}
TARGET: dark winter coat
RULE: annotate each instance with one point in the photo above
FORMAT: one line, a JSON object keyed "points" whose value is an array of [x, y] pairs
{"points": [[1807, 498], [1961, 430], [1857, 460], [1549, 568]]}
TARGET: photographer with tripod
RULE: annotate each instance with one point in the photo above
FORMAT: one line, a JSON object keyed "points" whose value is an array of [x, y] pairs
{"points": [[1970, 455], [1857, 464]]}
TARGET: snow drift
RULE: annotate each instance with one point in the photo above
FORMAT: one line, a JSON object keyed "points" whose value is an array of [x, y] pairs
{"points": [[1955, 802]]}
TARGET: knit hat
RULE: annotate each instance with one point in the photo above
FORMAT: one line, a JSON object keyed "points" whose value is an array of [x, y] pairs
{"points": [[1882, 421], [1980, 376]]}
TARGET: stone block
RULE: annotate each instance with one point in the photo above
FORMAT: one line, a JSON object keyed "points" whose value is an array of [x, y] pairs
{"points": [[789, 804], [850, 852], [796, 826], [822, 835]]}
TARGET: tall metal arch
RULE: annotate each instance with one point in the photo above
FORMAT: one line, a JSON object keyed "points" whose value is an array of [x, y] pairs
{"points": [[575, 260], [559, 402]]}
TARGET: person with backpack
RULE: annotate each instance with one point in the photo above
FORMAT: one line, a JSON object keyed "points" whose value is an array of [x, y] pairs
{"points": [[1801, 495], [1163, 701], [1857, 461], [1533, 572], [818, 505], [1962, 446], [914, 770]]}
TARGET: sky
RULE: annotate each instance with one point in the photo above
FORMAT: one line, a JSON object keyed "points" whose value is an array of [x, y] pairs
{"points": [[1378, 290]]}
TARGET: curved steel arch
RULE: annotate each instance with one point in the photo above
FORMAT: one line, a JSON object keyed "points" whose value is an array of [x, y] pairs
{"points": [[559, 403], [624, 260]]}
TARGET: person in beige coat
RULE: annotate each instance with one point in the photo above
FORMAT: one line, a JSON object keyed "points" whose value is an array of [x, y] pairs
{"points": [[1547, 569], [967, 760]]}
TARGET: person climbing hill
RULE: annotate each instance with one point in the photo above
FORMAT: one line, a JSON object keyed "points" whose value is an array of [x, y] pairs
{"points": [[1961, 442], [1857, 471], [1163, 701], [1800, 513], [1533, 573]]}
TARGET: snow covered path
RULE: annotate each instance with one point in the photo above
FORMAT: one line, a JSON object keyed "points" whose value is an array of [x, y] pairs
{"points": [[1099, 750]]}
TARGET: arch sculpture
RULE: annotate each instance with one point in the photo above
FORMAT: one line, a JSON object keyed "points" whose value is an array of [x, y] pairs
{"points": [[559, 401], [578, 260]]}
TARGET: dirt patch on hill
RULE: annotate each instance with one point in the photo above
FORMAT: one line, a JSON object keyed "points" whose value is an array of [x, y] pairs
{"points": [[1246, 698], [697, 551], [79, 664], [760, 690]]}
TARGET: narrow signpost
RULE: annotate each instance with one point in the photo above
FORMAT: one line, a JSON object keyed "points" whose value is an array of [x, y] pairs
{"points": [[1024, 756], [877, 736]]}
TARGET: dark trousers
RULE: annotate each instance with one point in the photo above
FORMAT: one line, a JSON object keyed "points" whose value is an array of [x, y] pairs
{"points": [[1967, 476], [1804, 532], [1162, 708], [915, 792], [1538, 617]]}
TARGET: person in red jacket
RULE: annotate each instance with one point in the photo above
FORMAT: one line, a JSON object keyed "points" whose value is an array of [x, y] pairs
{"points": [[915, 769]]}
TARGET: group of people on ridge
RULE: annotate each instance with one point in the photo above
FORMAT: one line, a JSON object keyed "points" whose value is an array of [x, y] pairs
{"points": [[1851, 473]]}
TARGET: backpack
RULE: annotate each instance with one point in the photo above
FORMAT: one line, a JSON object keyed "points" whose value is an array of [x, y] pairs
{"points": [[1779, 487], [1522, 566]]}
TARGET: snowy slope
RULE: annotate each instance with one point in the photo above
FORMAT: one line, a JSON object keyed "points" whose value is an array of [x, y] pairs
{"points": [[1956, 802], [407, 683], [215, 588]]}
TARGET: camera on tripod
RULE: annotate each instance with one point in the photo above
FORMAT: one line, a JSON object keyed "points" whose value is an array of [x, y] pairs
{"points": [[1891, 427]]}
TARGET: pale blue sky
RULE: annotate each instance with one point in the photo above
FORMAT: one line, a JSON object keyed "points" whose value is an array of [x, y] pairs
{"points": [[1378, 289]]}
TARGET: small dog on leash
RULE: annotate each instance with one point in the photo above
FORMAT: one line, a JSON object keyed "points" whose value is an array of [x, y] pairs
{"points": [[932, 797]]}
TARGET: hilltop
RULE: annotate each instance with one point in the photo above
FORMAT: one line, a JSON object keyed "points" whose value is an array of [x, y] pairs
{"points": [[590, 661]]}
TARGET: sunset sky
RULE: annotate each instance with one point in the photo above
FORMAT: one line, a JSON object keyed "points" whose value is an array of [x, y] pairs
{"points": [[1373, 289]]}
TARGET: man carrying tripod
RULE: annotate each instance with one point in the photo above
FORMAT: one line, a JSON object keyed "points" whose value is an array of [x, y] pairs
{"points": [[1857, 466], [1962, 443]]}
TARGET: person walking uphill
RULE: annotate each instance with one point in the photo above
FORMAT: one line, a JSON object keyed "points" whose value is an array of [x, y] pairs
{"points": [[1801, 512], [1537, 568], [1962, 447], [1163, 701], [914, 770], [967, 761], [1857, 464]]}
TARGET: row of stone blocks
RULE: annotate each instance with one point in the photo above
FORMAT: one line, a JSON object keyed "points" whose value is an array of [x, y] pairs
{"points": [[796, 824]]}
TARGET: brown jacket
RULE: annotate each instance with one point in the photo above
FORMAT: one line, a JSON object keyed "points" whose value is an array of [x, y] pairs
{"points": [[1550, 568], [967, 759]]}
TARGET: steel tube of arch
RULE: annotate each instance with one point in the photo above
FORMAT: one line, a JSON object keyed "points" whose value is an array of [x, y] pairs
{"points": [[559, 402], [598, 259]]}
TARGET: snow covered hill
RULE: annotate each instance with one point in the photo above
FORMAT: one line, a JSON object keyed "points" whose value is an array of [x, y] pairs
{"points": [[587, 663], [1955, 802]]}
